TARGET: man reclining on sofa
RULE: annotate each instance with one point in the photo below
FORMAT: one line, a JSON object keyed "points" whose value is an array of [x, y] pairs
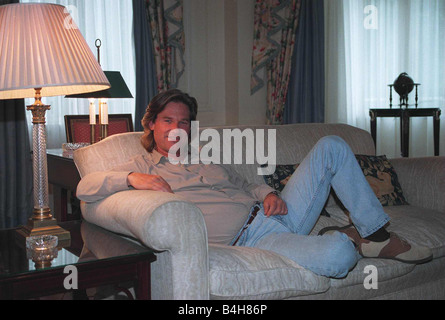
{"points": [[244, 214]]}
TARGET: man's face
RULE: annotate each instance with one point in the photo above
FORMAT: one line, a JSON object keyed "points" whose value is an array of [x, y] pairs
{"points": [[175, 115]]}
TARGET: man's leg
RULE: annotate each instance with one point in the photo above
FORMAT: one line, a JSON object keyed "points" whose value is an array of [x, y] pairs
{"points": [[330, 255], [305, 195], [331, 163]]}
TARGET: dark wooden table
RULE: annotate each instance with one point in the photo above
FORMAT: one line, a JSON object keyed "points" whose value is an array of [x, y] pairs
{"points": [[100, 257], [64, 177], [405, 114]]}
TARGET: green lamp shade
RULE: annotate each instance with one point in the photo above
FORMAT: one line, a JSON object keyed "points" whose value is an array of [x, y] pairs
{"points": [[118, 89]]}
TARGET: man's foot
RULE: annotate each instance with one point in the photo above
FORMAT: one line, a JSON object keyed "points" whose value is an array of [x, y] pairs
{"points": [[393, 248]]}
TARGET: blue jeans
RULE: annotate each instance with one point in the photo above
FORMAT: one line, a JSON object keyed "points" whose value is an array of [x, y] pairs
{"points": [[331, 163]]}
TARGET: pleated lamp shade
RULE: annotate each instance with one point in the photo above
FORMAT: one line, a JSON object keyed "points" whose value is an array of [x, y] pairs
{"points": [[40, 47]]}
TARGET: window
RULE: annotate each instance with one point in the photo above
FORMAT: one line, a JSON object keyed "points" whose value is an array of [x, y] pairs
{"points": [[368, 44]]}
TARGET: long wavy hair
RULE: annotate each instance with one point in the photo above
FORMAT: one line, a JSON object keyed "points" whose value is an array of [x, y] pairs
{"points": [[157, 105]]}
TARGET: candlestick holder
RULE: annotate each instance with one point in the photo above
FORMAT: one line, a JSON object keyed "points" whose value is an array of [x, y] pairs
{"points": [[103, 131], [92, 133]]}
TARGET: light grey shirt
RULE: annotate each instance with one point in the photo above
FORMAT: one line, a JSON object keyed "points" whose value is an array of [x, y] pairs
{"points": [[223, 196]]}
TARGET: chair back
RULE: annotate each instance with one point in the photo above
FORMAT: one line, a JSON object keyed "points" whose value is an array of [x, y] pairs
{"points": [[77, 127]]}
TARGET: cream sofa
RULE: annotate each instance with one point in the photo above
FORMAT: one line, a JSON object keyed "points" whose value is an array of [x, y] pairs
{"points": [[187, 267]]}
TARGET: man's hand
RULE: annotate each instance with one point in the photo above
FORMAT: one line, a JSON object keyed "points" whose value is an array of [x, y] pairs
{"points": [[142, 181], [274, 205]]}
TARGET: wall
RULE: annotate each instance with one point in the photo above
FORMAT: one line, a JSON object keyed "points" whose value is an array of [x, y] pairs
{"points": [[219, 37]]}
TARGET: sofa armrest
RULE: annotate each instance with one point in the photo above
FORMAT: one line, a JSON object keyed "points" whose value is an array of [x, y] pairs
{"points": [[422, 181], [163, 222]]}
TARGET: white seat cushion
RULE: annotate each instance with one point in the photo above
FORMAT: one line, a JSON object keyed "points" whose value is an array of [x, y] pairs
{"points": [[250, 273]]}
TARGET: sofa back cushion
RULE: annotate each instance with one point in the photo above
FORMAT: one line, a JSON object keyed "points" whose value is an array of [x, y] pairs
{"points": [[108, 153], [293, 142]]}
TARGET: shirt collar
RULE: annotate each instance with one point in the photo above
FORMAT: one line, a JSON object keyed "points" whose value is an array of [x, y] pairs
{"points": [[156, 156]]}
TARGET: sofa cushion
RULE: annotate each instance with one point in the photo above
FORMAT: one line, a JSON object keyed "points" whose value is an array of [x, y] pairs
{"points": [[293, 143], [382, 178], [386, 270], [250, 273]]}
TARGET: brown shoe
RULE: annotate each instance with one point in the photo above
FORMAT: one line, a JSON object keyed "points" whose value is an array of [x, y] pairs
{"points": [[395, 248]]}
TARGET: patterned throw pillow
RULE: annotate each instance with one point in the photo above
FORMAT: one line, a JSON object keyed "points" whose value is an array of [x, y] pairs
{"points": [[383, 179], [281, 176]]}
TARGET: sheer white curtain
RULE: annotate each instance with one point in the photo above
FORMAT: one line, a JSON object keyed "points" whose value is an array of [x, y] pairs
{"points": [[368, 44], [112, 22]]}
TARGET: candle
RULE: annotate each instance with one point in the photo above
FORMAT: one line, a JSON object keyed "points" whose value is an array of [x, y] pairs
{"points": [[92, 112], [104, 111]]}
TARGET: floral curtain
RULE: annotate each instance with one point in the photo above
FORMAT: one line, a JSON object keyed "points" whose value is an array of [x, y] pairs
{"points": [[275, 27], [166, 23]]}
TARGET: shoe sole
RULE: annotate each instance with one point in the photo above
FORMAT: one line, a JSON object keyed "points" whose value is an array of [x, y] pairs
{"points": [[425, 260]]}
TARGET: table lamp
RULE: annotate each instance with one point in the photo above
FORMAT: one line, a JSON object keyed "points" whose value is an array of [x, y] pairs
{"points": [[118, 90], [43, 54]]}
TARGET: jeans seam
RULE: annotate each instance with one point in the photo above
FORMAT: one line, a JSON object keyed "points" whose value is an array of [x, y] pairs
{"points": [[306, 214], [380, 224]]}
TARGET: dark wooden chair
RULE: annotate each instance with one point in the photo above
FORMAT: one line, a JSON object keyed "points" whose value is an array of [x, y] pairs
{"points": [[77, 127]]}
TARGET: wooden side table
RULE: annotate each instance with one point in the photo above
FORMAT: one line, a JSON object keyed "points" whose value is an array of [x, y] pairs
{"points": [[64, 177], [405, 115]]}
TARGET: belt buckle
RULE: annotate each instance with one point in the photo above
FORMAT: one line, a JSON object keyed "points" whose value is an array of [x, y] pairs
{"points": [[253, 214]]}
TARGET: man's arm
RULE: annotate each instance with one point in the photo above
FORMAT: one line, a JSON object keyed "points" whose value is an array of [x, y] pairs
{"points": [[99, 185], [142, 181], [131, 175]]}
